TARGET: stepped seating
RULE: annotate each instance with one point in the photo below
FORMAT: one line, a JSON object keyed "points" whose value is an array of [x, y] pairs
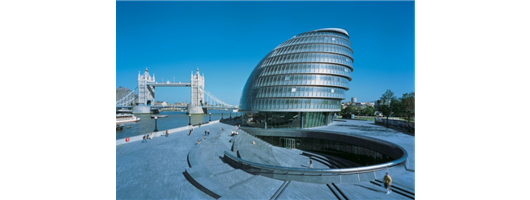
{"points": [[397, 188], [261, 152], [210, 174], [331, 162]]}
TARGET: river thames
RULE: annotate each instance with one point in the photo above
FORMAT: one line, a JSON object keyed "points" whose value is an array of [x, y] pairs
{"points": [[174, 119]]}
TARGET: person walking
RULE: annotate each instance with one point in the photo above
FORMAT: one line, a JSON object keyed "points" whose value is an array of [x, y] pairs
{"points": [[167, 133], [191, 129], [310, 163], [388, 182]]}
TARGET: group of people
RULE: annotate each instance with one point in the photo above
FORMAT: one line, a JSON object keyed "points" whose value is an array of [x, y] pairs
{"points": [[387, 180], [198, 141], [147, 136]]}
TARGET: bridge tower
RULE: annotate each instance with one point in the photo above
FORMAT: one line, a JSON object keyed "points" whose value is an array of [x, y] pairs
{"points": [[146, 93], [197, 94]]}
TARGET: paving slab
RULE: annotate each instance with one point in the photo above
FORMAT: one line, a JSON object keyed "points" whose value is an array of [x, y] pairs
{"points": [[155, 169]]}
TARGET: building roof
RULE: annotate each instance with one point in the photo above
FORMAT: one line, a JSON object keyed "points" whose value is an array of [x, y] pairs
{"points": [[333, 29]]}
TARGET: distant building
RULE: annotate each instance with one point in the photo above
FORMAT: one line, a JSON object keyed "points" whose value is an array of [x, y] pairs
{"points": [[180, 104], [121, 92], [161, 103], [354, 99], [357, 104]]}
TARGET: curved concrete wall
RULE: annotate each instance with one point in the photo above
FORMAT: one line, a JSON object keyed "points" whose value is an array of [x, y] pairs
{"points": [[384, 147], [338, 175]]}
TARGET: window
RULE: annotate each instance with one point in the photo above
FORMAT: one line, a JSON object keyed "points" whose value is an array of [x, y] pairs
{"points": [[293, 89]]}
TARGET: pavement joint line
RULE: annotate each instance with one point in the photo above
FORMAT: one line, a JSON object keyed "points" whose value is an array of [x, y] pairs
{"points": [[134, 188]]}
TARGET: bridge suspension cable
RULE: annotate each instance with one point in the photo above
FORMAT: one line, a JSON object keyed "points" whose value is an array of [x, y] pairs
{"points": [[128, 99], [214, 101], [210, 100]]}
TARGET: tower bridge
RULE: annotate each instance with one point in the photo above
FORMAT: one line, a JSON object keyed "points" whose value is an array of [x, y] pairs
{"points": [[201, 100]]}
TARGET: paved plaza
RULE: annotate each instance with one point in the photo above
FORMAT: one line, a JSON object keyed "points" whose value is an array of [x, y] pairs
{"points": [[175, 167]]}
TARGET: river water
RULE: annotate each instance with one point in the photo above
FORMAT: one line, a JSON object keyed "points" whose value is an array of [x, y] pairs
{"points": [[174, 119]]}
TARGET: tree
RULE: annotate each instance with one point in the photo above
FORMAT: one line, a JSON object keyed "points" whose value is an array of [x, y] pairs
{"points": [[396, 108], [368, 111], [347, 111], [384, 104], [408, 107]]}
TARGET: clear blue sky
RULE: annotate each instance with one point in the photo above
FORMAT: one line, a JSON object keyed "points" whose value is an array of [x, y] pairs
{"points": [[226, 40]]}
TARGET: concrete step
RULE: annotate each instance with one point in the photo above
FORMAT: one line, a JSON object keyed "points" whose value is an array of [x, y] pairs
{"points": [[396, 188], [258, 187], [230, 178], [204, 184], [337, 191], [303, 190]]}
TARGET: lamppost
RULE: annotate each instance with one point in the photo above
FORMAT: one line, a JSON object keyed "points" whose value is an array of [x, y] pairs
{"points": [[222, 115], [156, 130], [210, 117], [189, 119]]}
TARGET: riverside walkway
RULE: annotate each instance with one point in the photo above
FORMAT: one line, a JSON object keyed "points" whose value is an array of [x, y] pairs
{"points": [[175, 167]]}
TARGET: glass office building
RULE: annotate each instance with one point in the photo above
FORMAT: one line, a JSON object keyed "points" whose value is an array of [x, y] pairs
{"points": [[300, 83]]}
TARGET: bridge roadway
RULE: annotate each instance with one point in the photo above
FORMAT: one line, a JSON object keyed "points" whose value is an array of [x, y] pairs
{"points": [[175, 167], [169, 84]]}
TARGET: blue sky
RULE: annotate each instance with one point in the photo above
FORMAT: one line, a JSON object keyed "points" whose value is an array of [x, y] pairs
{"points": [[226, 40]]}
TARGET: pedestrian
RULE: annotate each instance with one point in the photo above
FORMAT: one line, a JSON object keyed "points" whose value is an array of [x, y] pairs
{"points": [[205, 132], [191, 129], [202, 137], [198, 142], [143, 139], [208, 132], [200, 123], [388, 182], [151, 136], [167, 133], [310, 163]]}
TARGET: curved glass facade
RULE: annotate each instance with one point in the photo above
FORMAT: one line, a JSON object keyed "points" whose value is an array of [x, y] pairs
{"points": [[300, 83]]}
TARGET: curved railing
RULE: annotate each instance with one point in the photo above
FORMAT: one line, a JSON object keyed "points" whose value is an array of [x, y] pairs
{"points": [[301, 174], [324, 171]]}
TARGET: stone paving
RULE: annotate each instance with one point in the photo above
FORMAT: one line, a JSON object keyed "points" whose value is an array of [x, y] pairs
{"points": [[175, 167]]}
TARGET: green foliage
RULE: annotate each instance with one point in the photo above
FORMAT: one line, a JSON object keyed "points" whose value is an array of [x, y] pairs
{"points": [[403, 107], [408, 106]]}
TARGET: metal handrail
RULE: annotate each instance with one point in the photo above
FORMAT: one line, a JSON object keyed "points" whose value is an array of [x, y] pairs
{"points": [[339, 171], [335, 171]]}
